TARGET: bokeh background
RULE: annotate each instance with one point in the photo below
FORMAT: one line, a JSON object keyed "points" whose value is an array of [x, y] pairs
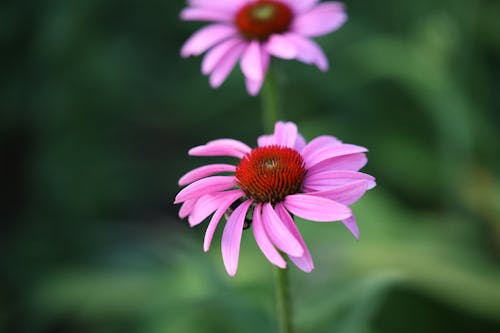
{"points": [[98, 110]]}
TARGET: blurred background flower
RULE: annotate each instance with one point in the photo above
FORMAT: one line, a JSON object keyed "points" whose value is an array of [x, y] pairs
{"points": [[98, 110], [250, 32]]}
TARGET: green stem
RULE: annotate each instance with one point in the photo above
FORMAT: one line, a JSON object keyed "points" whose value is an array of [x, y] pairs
{"points": [[271, 113], [270, 102], [283, 300]]}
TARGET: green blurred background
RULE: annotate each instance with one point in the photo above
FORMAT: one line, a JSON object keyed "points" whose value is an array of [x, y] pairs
{"points": [[98, 110]]}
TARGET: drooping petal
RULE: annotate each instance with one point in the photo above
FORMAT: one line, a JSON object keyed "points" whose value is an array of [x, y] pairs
{"points": [[324, 18], [207, 37], [204, 171], [263, 241], [351, 224], [279, 234], [209, 234], [308, 51], [209, 203], [221, 147], [205, 186], [204, 14], [186, 208], [217, 53], [251, 62], [328, 180], [326, 153], [254, 86], [304, 262], [266, 59], [352, 162], [346, 194], [279, 46], [224, 67], [231, 237], [315, 208]]}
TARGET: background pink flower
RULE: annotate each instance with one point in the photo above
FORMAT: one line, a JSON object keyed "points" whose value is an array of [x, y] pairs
{"points": [[252, 31], [284, 176]]}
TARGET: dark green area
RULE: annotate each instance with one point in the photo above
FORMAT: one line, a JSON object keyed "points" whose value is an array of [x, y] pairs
{"points": [[98, 110]]}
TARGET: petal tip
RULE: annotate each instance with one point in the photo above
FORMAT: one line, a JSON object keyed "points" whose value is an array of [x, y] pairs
{"points": [[193, 151], [231, 271], [308, 269], [281, 265]]}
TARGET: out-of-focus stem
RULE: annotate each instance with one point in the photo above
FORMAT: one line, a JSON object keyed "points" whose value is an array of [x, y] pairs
{"points": [[271, 108]]}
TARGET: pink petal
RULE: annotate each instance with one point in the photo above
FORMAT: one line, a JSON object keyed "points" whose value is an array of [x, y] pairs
{"points": [[319, 143], [251, 62], [204, 171], [303, 5], [320, 20], [209, 203], [205, 186], [308, 51], [304, 262], [205, 38], [279, 46], [346, 194], [231, 237], [352, 162], [326, 153], [300, 143], [266, 140], [221, 147], [351, 224], [315, 208], [209, 234], [224, 67], [186, 208], [263, 241], [279, 234], [285, 134], [328, 180], [205, 14], [216, 54], [253, 87], [227, 6]]}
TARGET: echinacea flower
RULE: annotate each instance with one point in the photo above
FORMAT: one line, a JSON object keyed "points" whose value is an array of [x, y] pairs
{"points": [[281, 178], [254, 30]]}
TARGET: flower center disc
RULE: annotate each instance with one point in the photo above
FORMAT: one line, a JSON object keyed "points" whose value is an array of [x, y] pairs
{"points": [[269, 174], [260, 19]]}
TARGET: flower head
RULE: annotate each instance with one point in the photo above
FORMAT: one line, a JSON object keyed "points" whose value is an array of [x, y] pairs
{"points": [[254, 30], [280, 178]]}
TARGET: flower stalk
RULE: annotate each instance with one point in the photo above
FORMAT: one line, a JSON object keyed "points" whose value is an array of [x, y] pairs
{"points": [[270, 101], [283, 300], [271, 113]]}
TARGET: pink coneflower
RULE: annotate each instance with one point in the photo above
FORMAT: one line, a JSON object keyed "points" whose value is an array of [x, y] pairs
{"points": [[280, 178], [255, 30]]}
